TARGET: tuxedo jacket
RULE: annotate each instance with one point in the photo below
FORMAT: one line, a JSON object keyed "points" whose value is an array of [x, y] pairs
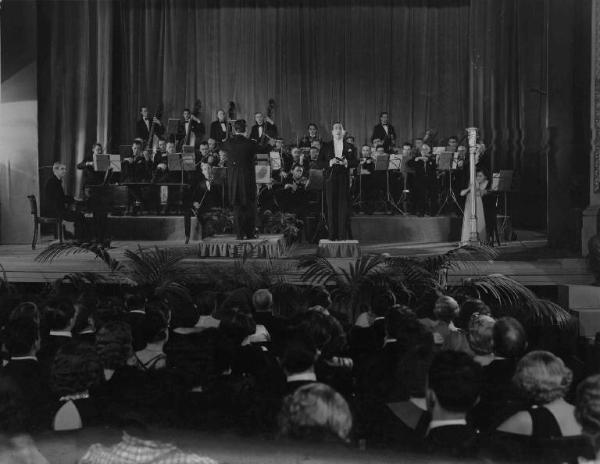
{"points": [[143, 132], [327, 153], [217, 132], [268, 129], [196, 127], [380, 133], [56, 200]]}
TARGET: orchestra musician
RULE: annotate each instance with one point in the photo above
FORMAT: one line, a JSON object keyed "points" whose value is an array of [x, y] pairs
{"points": [[314, 158], [241, 179], [58, 204], [425, 188], [204, 152], [219, 129], [296, 157], [89, 176], [336, 158], [160, 156], [263, 132], [213, 146], [143, 126], [311, 136], [384, 131], [294, 198], [137, 169], [190, 130]]}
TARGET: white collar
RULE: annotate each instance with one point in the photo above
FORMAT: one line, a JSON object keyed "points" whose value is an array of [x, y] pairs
{"points": [[420, 403], [310, 376], [389, 340], [23, 358], [138, 311], [61, 333], [434, 424]]}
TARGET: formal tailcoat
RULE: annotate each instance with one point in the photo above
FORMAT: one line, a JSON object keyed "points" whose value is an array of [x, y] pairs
{"points": [[241, 176], [217, 132]]}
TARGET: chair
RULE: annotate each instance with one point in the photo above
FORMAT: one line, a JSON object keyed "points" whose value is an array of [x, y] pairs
{"points": [[38, 220]]}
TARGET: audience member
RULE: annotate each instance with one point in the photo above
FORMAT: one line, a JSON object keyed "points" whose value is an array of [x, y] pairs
{"points": [[135, 306], [457, 340], [481, 338], [444, 312], [543, 380], [155, 335], [587, 413], [453, 388], [59, 316], [316, 412], [298, 362]]}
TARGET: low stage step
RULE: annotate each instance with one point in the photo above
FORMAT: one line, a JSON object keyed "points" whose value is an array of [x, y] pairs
{"points": [[379, 228]]}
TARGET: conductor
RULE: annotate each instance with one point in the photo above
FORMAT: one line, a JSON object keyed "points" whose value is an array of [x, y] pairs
{"points": [[336, 158], [241, 180]]}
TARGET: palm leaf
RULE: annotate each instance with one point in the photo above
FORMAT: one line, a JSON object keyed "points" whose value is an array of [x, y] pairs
{"points": [[155, 265], [318, 270], [57, 250]]}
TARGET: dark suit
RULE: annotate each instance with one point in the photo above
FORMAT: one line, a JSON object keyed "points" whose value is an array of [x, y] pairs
{"points": [[57, 205], [89, 177], [216, 131], [337, 189], [143, 132], [269, 130], [386, 137], [196, 128], [241, 183]]}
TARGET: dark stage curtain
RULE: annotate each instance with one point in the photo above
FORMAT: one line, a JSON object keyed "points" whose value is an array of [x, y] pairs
{"points": [[74, 82], [430, 63]]}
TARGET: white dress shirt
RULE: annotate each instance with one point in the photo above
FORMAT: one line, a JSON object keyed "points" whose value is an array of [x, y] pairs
{"points": [[338, 148]]}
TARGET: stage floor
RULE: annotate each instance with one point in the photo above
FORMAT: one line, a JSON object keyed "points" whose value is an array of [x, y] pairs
{"points": [[528, 260]]}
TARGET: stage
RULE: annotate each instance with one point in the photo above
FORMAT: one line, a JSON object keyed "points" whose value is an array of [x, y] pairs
{"points": [[528, 260]]}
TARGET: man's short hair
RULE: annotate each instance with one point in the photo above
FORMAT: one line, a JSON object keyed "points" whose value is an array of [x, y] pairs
{"points": [[510, 339], [318, 295], [299, 354], [57, 165], [456, 380], [262, 300], [204, 143], [382, 113], [186, 109], [137, 142], [155, 326], [21, 335], [312, 124], [240, 126], [97, 144]]}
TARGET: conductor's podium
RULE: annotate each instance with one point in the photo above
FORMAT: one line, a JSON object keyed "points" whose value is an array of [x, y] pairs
{"points": [[228, 246]]}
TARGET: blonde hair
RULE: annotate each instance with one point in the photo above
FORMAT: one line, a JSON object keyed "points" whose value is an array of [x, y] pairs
{"points": [[542, 377], [587, 407], [313, 409]]}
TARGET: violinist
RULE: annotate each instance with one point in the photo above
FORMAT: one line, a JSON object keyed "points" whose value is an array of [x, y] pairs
{"points": [[190, 130], [311, 136], [204, 152], [425, 182], [143, 126], [219, 129], [294, 197], [296, 157]]}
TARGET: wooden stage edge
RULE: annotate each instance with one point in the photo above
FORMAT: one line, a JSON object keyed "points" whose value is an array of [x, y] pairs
{"points": [[518, 260]]}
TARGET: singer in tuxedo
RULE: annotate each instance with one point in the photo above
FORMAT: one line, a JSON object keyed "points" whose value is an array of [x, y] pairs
{"points": [[384, 131], [263, 132], [143, 126], [218, 128], [336, 158], [241, 180]]}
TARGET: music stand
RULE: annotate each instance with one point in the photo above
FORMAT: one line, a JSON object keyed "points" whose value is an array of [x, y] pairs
{"points": [[316, 183], [275, 160], [502, 183], [382, 163], [445, 165]]}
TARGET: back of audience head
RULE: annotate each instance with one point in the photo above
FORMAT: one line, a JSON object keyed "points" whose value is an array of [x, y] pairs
{"points": [[237, 326], [382, 302], [26, 310], [155, 327], [76, 369], [207, 302], [454, 382], [480, 334], [59, 314], [114, 344], [299, 354], [510, 339], [288, 300], [240, 300], [542, 377], [446, 309], [84, 319], [184, 313], [315, 411], [587, 408], [314, 325], [413, 367], [262, 300], [22, 337], [318, 295], [402, 325], [134, 302], [468, 308]]}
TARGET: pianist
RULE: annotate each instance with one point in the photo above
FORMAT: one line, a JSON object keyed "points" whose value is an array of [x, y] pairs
{"points": [[58, 204]]}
